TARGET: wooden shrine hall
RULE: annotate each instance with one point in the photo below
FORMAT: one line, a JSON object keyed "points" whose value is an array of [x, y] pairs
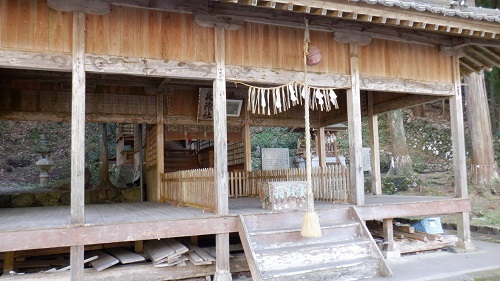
{"points": [[210, 70]]}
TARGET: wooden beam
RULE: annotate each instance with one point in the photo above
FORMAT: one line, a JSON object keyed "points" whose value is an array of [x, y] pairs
{"points": [[97, 7], [383, 84], [143, 271], [354, 128], [423, 208], [78, 139], [222, 272], [206, 71], [374, 147], [149, 67], [407, 101], [208, 20], [66, 117], [280, 76], [111, 233], [347, 38]]}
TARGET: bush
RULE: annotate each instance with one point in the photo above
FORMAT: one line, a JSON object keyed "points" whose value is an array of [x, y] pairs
{"points": [[392, 185]]}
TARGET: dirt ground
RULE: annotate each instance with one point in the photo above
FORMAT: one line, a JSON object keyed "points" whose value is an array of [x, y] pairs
{"points": [[485, 207]]}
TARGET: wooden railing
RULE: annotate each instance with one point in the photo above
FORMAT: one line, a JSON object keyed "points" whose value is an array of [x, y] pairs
{"points": [[196, 188], [193, 188], [329, 183]]}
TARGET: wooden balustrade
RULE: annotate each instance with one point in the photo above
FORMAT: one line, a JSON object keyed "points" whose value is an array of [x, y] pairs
{"points": [[196, 188], [329, 183]]}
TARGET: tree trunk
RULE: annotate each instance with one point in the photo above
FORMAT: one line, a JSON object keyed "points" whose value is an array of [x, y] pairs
{"points": [[400, 161], [418, 110], [103, 156], [483, 166]]}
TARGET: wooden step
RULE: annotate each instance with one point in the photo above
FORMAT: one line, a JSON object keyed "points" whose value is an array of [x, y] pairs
{"points": [[294, 219], [330, 233], [311, 255], [340, 271]]}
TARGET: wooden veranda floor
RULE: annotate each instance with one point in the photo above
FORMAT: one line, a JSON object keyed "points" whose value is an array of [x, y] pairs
{"points": [[47, 227]]}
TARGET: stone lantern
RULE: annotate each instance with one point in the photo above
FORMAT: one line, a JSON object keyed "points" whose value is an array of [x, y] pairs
{"points": [[43, 163]]}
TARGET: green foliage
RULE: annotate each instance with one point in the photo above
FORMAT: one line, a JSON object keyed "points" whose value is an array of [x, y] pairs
{"points": [[92, 149], [392, 185], [493, 4], [272, 137]]}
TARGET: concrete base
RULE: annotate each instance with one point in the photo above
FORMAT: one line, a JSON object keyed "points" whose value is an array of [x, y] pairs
{"points": [[391, 254], [223, 276], [463, 247]]}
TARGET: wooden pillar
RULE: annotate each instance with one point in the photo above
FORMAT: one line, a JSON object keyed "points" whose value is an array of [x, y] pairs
{"points": [[389, 234], [247, 150], [320, 146], [374, 148], [160, 149], [78, 139], [138, 156], [8, 263], [222, 272], [389, 251], [459, 161], [356, 195], [247, 142]]}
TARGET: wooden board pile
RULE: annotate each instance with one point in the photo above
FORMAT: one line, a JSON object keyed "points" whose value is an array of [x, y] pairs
{"points": [[409, 240], [162, 253], [170, 252]]}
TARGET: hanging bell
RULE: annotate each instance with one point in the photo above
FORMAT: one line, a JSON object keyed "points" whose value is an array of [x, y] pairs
{"points": [[314, 56]]}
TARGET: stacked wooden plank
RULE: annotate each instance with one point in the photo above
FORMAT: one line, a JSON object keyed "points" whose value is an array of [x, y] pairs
{"points": [[170, 252], [162, 253], [409, 240]]}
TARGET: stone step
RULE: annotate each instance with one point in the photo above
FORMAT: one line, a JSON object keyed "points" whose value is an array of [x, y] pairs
{"points": [[262, 239], [294, 219], [311, 254], [339, 271]]}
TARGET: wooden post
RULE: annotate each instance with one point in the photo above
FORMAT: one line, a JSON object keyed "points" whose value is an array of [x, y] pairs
{"points": [[389, 234], [389, 251], [320, 146], [247, 150], [160, 150], [139, 246], [247, 142], [78, 139], [459, 167], [356, 195], [222, 272], [138, 156], [8, 263], [374, 148]]}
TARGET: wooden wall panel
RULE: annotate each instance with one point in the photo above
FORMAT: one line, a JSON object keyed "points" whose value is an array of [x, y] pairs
{"points": [[404, 60], [150, 34], [280, 47], [31, 25], [184, 102]]}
